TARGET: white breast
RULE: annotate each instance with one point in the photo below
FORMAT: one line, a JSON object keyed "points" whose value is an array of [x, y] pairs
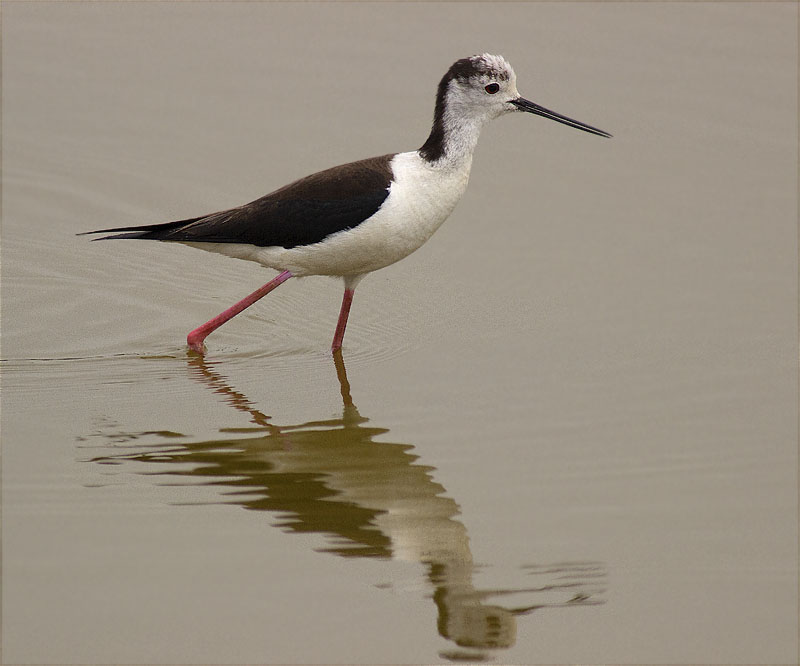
{"points": [[421, 197]]}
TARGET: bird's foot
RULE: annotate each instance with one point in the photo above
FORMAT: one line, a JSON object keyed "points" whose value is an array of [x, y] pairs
{"points": [[195, 342]]}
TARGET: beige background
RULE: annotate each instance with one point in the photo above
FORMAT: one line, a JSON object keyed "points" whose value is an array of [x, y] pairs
{"points": [[594, 360]]}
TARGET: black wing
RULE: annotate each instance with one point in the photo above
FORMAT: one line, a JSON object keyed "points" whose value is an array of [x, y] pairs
{"points": [[301, 213]]}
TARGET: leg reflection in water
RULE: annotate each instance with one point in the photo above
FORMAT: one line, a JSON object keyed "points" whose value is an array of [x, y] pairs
{"points": [[368, 499]]}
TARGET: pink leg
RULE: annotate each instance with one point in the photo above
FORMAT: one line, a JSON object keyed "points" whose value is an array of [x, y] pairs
{"points": [[342, 323], [196, 337]]}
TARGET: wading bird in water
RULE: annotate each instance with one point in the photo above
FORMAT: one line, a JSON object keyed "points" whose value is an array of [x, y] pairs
{"points": [[355, 218]]}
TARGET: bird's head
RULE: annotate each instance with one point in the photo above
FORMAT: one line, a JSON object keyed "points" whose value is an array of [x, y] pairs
{"points": [[485, 87]]}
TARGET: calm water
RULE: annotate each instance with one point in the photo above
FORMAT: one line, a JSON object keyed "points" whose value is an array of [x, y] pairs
{"points": [[563, 431]]}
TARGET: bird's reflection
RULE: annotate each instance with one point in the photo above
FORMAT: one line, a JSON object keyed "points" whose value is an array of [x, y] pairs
{"points": [[369, 499]]}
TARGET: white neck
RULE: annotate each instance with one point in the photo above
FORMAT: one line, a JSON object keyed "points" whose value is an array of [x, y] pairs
{"points": [[460, 138], [456, 127]]}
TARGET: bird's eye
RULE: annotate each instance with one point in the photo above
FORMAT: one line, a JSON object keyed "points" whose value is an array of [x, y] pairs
{"points": [[492, 88]]}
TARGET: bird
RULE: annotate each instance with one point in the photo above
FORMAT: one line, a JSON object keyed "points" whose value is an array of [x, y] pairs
{"points": [[350, 220]]}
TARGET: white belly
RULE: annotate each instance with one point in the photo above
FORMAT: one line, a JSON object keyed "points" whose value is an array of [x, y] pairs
{"points": [[420, 198]]}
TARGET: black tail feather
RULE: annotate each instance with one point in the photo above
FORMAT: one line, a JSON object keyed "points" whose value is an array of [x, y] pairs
{"points": [[146, 231]]}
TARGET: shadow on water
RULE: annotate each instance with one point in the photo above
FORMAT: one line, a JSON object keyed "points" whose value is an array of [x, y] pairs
{"points": [[369, 499]]}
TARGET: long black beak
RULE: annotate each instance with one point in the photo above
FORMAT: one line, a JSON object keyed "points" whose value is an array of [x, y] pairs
{"points": [[524, 105]]}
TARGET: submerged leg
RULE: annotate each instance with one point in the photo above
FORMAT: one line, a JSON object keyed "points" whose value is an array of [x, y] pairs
{"points": [[196, 337], [338, 336]]}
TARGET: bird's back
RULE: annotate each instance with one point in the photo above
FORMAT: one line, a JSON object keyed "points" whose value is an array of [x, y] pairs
{"points": [[303, 212]]}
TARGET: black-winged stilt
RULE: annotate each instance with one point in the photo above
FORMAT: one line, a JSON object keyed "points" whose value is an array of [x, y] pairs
{"points": [[355, 218]]}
